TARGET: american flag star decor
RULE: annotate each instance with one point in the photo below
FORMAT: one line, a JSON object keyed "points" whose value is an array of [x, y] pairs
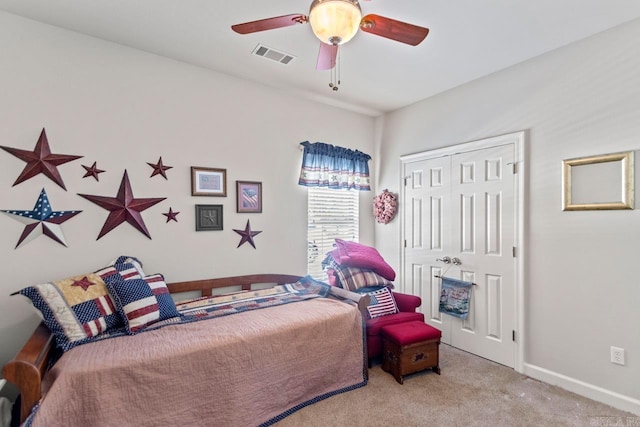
{"points": [[42, 219]]}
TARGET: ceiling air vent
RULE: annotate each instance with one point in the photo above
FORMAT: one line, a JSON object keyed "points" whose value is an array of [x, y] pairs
{"points": [[272, 54]]}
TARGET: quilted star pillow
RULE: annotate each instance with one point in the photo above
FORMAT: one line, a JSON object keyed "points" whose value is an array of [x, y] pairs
{"points": [[78, 309], [141, 302]]}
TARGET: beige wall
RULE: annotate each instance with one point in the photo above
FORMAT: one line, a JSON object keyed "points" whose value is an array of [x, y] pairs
{"points": [[124, 108], [581, 290]]}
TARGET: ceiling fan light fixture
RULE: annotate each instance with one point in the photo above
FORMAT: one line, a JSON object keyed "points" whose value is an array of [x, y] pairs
{"points": [[335, 21]]}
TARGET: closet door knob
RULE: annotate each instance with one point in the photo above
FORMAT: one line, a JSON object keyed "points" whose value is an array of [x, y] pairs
{"points": [[456, 261], [445, 259]]}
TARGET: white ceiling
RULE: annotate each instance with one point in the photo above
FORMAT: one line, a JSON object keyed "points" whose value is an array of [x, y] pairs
{"points": [[468, 39]]}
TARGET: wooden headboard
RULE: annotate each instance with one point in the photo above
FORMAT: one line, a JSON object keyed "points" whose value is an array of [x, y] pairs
{"points": [[246, 282], [27, 369]]}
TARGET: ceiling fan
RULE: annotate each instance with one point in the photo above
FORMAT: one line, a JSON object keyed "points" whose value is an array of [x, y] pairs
{"points": [[335, 22]]}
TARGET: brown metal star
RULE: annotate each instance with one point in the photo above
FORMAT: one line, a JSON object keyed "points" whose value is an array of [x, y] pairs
{"points": [[40, 160], [247, 235], [171, 215], [159, 168], [92, 171], [123, 207]]}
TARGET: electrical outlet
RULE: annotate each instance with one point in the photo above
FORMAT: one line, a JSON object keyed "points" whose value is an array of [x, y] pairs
{"points": [[617, 355]]}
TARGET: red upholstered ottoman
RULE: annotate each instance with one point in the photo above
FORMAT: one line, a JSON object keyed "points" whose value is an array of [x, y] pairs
{"points": [[410, 347]]}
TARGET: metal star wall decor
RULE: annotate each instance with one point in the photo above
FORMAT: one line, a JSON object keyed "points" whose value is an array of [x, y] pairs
{"points": [[247, 235], [40, 160], [92, 171], [123, 207], [159, 168], [41, 220], [171, 215]]}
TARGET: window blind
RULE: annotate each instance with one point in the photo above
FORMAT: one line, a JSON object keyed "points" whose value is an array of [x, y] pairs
{"points": [[332, 214]]}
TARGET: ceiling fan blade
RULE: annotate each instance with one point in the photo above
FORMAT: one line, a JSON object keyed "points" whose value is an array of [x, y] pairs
{"points": [[327, 56], [269, 23], [394, 30]]}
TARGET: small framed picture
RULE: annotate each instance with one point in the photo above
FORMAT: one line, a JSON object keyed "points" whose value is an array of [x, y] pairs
{"points": [[248, 197], [208, 181], [208, 217]]}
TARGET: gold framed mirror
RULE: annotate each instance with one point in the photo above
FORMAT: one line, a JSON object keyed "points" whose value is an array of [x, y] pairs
{"points": [[598, 182]]}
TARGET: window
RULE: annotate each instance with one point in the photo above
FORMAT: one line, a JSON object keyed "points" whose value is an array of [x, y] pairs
{"points": [[332, 214]]}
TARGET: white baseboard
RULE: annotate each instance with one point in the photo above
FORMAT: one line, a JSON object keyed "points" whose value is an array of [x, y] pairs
{"points": [[599, 394]]}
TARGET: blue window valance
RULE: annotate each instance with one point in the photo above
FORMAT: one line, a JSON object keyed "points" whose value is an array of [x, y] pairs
{"points": [[328, 166]]}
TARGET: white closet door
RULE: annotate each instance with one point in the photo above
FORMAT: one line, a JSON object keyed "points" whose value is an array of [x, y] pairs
{"points": [[462, 206]]}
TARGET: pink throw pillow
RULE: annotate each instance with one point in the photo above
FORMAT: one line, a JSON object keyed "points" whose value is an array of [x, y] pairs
{"points": [[354, 254]]}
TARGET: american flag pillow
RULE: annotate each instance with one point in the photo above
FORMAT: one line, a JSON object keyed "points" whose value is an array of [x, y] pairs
{"points": [[382, 303], [142, 301]]}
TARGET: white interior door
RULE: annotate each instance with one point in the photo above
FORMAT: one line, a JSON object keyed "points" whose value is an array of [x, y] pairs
{"points": [[463, 206], [428, 224]]}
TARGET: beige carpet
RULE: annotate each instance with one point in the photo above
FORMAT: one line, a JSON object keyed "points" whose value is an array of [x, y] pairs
{"points": [[470, 392]]}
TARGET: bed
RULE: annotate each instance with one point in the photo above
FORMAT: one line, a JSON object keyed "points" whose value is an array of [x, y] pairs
{"points": [[254, 367]]}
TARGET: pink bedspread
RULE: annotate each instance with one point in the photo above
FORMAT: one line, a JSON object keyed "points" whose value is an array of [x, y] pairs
{"points": [[240, 370]]}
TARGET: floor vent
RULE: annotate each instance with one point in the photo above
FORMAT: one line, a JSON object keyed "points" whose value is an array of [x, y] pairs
{"points": [[272, 54]]}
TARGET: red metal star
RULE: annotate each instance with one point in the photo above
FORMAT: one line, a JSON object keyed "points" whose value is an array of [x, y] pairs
{"points": [[123, 207], [84, 283], [40, 160], [159, 168], [247, 235], [171, 215], [92, 171]]}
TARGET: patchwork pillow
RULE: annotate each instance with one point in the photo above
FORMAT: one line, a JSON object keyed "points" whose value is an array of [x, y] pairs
{"points": [[354, 278], [382, 303], [131, 267], [141, 302], [79, 308], [354, 254]]}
